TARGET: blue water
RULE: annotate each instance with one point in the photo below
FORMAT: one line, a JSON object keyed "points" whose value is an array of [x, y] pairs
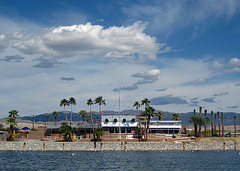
{"points": [[120, 160]]}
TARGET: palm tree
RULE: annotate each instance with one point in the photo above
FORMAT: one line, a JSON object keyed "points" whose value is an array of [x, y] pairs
{"points": [[90, 103], [176, 116], [83, 114], [144, 113], [71, 101], [205, 123], [67, 131], [150, 112], [235, 127], [55, 114], [65, 102], [99, 132], [200, 113], [11, 119], [201, 122], [219, 124], [145, 102], [100, 101], [137, 105], [47, 119], [212, 121], [222, 125], [160, 115], [215, 124], [194, 121]]}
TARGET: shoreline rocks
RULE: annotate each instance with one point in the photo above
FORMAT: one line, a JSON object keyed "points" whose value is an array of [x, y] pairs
{"points": [[115, 146]]}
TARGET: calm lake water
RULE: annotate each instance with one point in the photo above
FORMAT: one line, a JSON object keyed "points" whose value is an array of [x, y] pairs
{"points": [[120, 160]]}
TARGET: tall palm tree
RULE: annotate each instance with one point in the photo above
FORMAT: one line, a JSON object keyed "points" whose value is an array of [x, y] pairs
{"points": [[11, 119], [144, 114], [137, 105], [222, 125], [205, 123], [176, 116], [150, 112], [194, 121], [219, 124], [215, 124], [83, 114], [67, 131], [200, 115], [47, 119], [235, 127], [145, 102], [90, 103], [212, 121], [160, 114], [55, 114], [100, 101], [65, 102], [201, 121], [71, 101]]}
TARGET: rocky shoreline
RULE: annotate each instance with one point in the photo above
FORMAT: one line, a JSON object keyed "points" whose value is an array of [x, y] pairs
{"points": [[202, 144]]}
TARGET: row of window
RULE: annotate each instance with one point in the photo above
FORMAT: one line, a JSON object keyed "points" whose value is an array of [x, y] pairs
{"points": [[115, 130]]}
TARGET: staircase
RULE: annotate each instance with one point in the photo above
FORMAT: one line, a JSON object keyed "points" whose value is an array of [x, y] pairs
{"points": [[37, 134]]}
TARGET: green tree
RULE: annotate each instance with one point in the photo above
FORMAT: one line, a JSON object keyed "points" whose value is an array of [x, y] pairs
{"points": [[160, 114], [65, 102], [137, 105], [222, 124], [145, 102], [194, 120], [83, 114], [200, 123], [72, 102], [55, 114], [150, 112], [176, 116], [100, 101], [99, 132], [144, 114], [90, 103], [200, 115], [67, 131], [11, 120]]}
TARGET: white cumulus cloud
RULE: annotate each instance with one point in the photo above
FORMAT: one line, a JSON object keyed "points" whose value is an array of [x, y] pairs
{"points": [[87, 39]]}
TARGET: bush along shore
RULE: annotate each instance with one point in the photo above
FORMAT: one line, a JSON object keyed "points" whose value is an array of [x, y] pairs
{"points": [[120, 146]]}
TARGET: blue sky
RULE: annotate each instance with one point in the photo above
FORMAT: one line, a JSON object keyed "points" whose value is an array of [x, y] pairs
{"points": [[178, 54]]}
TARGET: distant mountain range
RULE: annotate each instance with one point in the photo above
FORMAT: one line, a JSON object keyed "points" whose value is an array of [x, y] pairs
{"points": [[228, 117]]}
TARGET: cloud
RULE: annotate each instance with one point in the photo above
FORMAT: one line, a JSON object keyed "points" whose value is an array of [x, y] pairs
{"points": [[217, 66], [46, 63], [221, 94], [169, 16], [196, 82], [87, 39], [3, 43], [14, 58], [209, 100], [163, 89], [67, 78], [148, 76], [232, 107], [238, 84], [168, 99], [234, 62], [132, 87]]}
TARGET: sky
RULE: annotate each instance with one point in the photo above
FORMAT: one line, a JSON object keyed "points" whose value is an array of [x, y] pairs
{"points": [[178, 54]]}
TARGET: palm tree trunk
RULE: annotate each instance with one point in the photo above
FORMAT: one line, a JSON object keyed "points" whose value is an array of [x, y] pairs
{"points": [[219, 125], [215, 124], [235, 127], [99, 119], [148, 124], [139, 123], [205, 126], [71, 116], [145, 128], [200, 110], [65, 115], [195, 130], [92, 123], [55, 120], [212, 121], [222, 125]]}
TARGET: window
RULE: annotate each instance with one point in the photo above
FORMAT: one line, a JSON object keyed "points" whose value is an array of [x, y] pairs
{"points": [[129, 130], [111, 130], [123, 130]]}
